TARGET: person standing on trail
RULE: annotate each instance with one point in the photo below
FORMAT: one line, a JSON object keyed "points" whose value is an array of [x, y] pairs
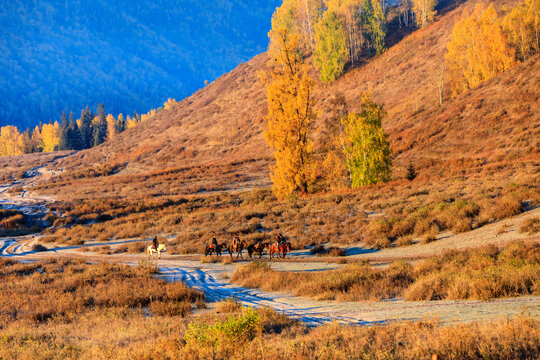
{"points": [[155, 243]]}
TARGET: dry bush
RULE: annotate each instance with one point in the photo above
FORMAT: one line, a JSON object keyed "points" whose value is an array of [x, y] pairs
{"points": [[39, 248], [230, 305], [320, 250], [530, 225], [68, 289], [506, 206], [483, 273]]}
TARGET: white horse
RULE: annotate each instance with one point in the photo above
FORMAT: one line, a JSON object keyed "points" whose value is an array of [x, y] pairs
{"points": [[150, 250]]}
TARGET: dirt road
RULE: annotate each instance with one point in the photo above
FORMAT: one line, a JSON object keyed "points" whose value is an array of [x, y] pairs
{"points": [[212, 279]]}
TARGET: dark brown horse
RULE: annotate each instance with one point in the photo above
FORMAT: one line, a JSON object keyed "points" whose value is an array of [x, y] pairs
{"points": [[237, 246], [213, 248], [257, 248], [280, 249]]}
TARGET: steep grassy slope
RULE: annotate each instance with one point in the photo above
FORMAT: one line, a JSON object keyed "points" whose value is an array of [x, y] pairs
{"points": [[223, 122]]}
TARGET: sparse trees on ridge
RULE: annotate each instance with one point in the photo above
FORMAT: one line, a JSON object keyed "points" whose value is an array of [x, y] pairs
{"points": [[374, 25], [349, 12], [522, 28]]}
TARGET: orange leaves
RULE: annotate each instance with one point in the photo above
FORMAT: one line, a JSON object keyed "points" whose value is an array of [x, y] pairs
{"points": [[289, 92], [477, 50]]}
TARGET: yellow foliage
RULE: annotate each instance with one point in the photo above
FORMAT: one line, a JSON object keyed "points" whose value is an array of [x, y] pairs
{"points": [[169, 103], [424, 11], [11, 141], [298, 17], [289, 92], [130, 123], [477, 50], [522, 27], [334, 171], [111, 127], [50, 134]]}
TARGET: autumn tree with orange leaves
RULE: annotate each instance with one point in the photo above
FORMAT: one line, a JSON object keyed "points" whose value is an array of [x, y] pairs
{"points": [[478, 49], [289, 92]]}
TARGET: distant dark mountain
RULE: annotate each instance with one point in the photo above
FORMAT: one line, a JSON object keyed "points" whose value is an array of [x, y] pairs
{"points": [[128, 54]]}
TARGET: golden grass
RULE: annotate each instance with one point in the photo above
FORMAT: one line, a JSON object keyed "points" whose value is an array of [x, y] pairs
{"points": [[412, 212], [110, 324], [68, 289], [530, 225], [483, 273]]}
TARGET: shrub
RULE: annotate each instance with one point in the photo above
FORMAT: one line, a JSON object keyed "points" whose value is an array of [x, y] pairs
{"points": [[530, 225], [236, 330], [506, 206], [39, 248], [230, 305]]}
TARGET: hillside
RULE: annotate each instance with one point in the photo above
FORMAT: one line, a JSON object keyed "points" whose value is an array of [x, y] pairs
{"points": [[129, 55], [488, 127]]}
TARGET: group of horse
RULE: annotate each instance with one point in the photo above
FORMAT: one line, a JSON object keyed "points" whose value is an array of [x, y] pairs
{"points": [[280, 248]]}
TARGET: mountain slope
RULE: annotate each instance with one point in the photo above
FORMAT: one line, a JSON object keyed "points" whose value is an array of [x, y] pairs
{"points": [[223, 122]]}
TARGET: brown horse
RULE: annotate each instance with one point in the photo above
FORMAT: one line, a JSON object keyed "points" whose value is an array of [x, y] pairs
{"points": [[258, 248], [237, 246], [214, 248], [280, 249]]}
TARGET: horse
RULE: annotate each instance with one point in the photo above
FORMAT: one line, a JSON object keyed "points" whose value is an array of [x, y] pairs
{"points": [[278, 249], [237, 246], [258, 248], [284, 248], [150, 250], [213, 248]]}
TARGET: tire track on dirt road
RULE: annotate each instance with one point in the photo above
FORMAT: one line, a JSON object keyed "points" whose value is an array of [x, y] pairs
{"points": [[212, 280]]}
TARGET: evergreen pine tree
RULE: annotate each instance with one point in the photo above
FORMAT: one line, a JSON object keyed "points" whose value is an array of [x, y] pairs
{"points": [[411, 172], [86, 128], [75, 136], [63, 120], [97, 136]]}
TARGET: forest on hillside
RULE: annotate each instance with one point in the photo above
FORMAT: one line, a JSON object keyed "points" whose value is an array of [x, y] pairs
{"points": [[130, 55]]}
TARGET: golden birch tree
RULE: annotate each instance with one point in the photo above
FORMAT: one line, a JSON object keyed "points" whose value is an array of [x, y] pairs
{"points": [[289, 93], [477, 50], [522, 28], [50, 134], [365, 145], [11, 141], [424, 11]]}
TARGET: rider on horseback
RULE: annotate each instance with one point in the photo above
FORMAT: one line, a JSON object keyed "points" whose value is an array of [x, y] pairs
{"points": [[214, 243], [235, 241], [155, 243]]}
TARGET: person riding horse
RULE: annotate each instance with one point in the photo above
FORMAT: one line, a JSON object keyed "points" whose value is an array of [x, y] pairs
{"points": [[155, 243], [214, 243], [235, 241]]}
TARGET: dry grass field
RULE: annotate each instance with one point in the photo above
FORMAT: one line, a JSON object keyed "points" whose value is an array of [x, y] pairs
{"points": [[118, 312]]}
